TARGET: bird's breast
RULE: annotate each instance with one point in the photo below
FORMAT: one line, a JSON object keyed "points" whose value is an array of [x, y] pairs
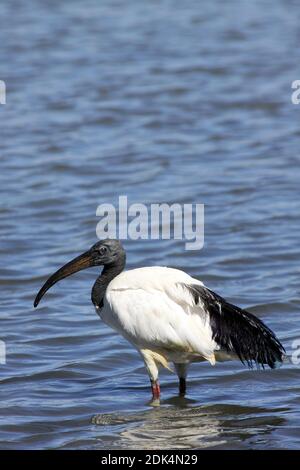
{"points": [[110, 317]]}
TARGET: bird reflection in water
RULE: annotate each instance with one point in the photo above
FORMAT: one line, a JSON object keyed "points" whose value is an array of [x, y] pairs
{"points": [[178, 425]]}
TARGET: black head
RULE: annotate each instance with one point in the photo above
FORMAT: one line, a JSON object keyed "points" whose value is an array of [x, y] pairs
{"points": [[107, 253]]}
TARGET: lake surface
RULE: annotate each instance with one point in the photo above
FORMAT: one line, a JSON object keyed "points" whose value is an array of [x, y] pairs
{"points": [[161, 101]]}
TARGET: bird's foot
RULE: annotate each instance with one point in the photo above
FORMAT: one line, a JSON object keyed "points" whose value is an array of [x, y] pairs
{"points": [[154, 402]]}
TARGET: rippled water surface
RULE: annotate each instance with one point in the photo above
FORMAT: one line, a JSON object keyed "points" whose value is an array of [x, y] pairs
{"points": [[161, 101]]}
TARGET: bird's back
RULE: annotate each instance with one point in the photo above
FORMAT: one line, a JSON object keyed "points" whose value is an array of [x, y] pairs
{"points": [[152, 277]]}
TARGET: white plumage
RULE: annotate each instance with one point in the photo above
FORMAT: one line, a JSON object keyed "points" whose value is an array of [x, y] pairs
{"points": [[153, 310]]}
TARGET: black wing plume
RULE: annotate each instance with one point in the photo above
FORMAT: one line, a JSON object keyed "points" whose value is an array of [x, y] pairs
{"points": [[237, 331]]}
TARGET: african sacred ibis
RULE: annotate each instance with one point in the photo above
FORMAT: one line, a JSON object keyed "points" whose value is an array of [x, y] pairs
{"points": [[170, 316]]}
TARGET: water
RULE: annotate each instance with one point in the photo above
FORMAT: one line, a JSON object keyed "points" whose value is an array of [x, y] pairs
{"points": [[160, 101]]}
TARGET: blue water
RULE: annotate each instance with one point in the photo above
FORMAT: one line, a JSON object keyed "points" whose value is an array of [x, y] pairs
{"points": [[161, 101]]}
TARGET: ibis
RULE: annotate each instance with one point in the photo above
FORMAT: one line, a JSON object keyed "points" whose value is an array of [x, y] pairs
{"points": [[171, 318]]}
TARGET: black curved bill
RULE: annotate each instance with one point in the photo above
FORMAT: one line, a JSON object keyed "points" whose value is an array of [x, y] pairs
{"points": [[77, 264]]}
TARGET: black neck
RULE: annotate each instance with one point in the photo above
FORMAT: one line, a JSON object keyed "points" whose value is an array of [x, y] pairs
{"points": [[109, 272]]}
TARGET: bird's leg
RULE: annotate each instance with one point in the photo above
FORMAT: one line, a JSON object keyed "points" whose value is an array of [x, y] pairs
{"points": [[181, 370], [152, 372], [182, 386], [155, 389]]}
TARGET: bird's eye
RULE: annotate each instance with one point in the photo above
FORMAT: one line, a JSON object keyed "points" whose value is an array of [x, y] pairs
{"points": [[103, 250]]}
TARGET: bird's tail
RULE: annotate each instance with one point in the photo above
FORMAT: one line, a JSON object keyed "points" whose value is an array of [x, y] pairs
{"points": [[238, 331]]}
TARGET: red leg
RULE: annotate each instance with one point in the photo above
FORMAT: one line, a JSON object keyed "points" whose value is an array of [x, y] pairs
{"points": [[155, 389]]}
